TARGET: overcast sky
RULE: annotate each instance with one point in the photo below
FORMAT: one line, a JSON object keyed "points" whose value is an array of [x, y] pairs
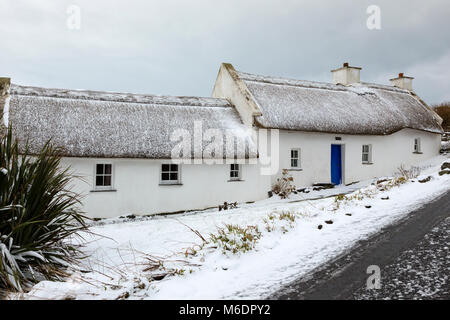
{"points": [[175, 47]]}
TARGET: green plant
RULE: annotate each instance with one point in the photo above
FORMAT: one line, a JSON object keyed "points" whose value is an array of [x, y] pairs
{"points": [[236, 239], [283, 221], [37, 214]]}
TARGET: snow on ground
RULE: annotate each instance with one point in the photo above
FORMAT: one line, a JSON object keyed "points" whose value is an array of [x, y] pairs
{"points": [[117, 249]]}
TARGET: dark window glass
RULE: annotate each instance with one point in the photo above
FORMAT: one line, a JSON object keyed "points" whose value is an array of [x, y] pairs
{"points": [[103, 175], [99, 181], [234, 171], [165, 176], [107, 181], [294, 163], [169, 172]]}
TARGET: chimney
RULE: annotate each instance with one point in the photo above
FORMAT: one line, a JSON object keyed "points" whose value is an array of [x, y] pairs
{"points": [[402, 82], [4, 100], [346, 75]]}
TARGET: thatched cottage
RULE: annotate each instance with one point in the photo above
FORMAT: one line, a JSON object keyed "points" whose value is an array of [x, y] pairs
{"points": [[146, 154]]}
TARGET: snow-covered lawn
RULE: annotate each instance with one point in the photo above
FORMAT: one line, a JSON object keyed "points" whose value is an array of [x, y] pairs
{"points": [[117, 249]]}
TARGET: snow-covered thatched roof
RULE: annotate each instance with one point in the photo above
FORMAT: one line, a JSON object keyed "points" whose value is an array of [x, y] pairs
{"points": [[118, 125], [361, 108]]}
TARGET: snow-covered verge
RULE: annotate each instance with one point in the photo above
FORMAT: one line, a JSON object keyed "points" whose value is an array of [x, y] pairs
{"points": [[166, 258]]}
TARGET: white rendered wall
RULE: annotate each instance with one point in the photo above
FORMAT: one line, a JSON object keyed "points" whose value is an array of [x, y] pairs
{"points": [[388, 153], [137, 189]]}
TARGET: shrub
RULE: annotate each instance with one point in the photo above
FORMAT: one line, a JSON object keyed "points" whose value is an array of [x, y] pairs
{"points": [[412, 173], [283, 221], [283, 187], [236, 239], [37, 213], [443, 110]]}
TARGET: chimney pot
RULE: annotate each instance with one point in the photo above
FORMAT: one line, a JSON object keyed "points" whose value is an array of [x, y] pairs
{"points": [[400, 75], [345, 64]]}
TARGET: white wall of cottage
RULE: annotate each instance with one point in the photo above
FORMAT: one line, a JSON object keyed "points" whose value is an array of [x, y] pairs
{"points": [[137, 190], [388, 153]]}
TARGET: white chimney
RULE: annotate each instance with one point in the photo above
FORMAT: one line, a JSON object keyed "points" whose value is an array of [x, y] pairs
{"points": [[346, 75], [402, 82]]}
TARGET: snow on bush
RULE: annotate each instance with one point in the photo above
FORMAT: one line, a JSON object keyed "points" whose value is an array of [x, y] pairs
{"points": [[236, 239]]}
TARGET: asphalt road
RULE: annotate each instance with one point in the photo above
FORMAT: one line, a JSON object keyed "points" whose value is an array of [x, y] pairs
{"points": [[413, 256]]}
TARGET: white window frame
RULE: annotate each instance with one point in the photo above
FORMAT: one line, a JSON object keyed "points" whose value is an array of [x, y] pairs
{"points": [[417, 146], [170, 182], [233, 169], [298, 158], [368, 153], [110, 187]]}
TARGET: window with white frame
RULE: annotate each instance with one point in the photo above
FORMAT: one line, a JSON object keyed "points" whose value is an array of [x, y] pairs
{"points": [[367, 153], [417, 148], [170, 173], [103, 176], [295, 158], [235, 171]]}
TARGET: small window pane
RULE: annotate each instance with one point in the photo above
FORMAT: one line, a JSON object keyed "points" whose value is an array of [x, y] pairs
{"points": [[165, 167], [174, 176], [107, 169], [173, 167], [107, 181], [99, 181], [165, 176], [100, 169]]}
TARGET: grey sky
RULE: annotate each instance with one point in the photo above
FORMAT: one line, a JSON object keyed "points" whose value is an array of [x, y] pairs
{"points": [[175, 47]]}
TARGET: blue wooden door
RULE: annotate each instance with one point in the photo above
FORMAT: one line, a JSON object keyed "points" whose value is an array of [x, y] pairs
{"points": [[336, 164]]}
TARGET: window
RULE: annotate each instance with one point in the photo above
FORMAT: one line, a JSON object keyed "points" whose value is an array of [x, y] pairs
{"points": [[417, 148], [295, 158], [170, 174], [367, 153], [103, 176], [235, 171]]}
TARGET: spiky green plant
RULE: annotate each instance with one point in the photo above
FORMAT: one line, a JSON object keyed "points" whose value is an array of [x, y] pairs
{"points": [[38, 212]]}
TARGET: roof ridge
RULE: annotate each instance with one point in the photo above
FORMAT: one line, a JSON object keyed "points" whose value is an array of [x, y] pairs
{"points": [[276, 80], [125, 97]]}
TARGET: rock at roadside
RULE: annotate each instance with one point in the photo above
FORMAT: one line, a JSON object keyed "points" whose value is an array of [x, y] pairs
{"points": [[425, 180]]}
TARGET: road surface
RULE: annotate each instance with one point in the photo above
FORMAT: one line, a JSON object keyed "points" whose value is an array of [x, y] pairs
{"points": [[413, 256]]}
